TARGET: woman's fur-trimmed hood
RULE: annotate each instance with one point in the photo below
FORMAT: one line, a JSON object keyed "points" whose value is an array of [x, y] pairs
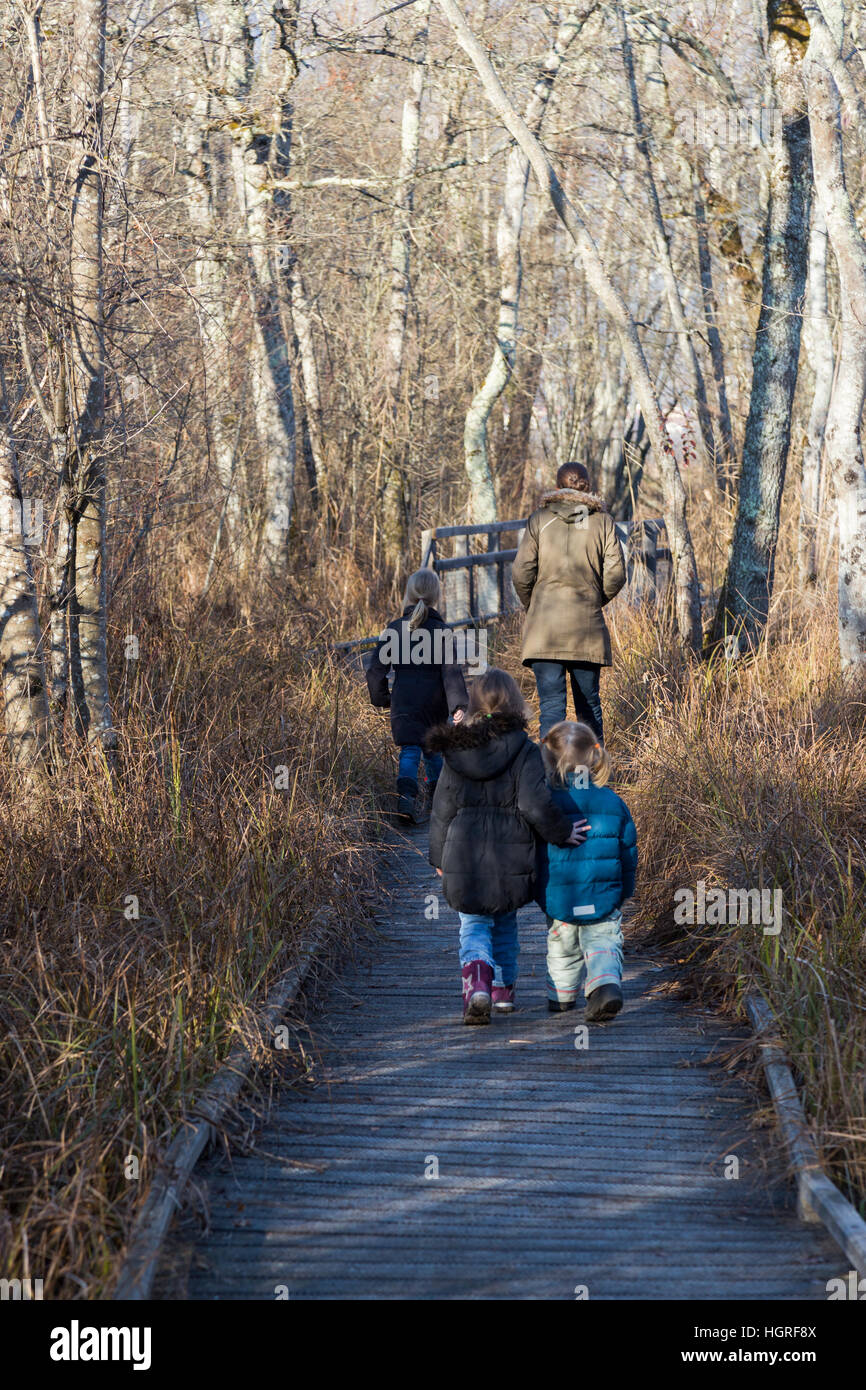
{"points": [[472, 733], [567, 500]]}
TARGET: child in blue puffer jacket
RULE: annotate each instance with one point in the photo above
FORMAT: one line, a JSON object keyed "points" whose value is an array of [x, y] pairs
{"points": [[582, 890]]}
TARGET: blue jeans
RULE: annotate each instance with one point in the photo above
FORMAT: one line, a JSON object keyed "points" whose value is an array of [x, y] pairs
{"points": [[491, 939], [410, 761], [553, 698]]}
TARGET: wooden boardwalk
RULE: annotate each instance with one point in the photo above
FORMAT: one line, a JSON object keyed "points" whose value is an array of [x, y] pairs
{"points": [[559, 1169]]}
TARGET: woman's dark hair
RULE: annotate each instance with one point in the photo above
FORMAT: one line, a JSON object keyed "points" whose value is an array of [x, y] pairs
{"points": [[572, 475]]}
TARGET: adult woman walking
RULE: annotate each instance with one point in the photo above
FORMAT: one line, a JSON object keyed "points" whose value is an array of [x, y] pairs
{"points": [[568, 566]]}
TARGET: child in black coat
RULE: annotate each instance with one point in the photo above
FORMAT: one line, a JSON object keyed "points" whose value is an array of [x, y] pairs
{"points": [[428, 685], [491, 801]]}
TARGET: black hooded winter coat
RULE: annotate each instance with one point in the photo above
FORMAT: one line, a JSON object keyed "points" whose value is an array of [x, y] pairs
{"points": [[491, 800], [427, 688]]}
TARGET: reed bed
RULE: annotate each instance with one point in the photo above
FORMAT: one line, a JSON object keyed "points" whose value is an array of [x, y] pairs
{"points": [[144, 915]]}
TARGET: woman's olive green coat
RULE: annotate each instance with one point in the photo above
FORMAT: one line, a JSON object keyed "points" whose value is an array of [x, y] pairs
{"points": [[568, 566]]}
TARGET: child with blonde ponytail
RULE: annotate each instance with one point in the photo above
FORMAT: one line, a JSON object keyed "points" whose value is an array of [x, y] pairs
{"points": [[422, 589], [427, 686], [582, 890]]}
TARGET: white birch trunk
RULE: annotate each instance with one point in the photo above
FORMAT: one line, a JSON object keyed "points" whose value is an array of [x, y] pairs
{"points": [[666, 265], [52, 402], [210, 282], [725, 449], [394, 483], [269, 360], [843, 440], [302, 321], [818, 342], [87, 377], [128, 113], [827, 23], [744, 602], [482, 494], [25, 705]]}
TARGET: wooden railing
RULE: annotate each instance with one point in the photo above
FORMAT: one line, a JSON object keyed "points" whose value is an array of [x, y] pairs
{"points": [[477, 586]]}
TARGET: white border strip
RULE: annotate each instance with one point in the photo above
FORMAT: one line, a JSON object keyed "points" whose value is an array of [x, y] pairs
{"points": [[818, 1199]]}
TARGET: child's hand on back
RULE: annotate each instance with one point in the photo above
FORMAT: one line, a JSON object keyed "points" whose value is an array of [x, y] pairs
{"points": [[457, 716], [578, 832]]}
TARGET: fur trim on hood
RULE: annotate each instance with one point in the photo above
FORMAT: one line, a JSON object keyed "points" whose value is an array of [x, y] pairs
{"points": [[474, 733], [575, 496]]}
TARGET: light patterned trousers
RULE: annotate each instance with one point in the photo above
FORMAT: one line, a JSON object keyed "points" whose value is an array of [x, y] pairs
{"points": [[594, 947]]}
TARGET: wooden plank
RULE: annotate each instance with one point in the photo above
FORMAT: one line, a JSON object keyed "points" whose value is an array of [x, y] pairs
{"points": [[460, 562], [486, 578], [428, 548], [482, 528], [455, 587]]}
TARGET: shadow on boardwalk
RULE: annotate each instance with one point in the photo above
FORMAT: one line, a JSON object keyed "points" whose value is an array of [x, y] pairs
{"points": [[559, 1169]]}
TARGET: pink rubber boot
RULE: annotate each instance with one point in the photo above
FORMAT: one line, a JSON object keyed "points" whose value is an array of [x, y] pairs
{"points": [[477, 985]]}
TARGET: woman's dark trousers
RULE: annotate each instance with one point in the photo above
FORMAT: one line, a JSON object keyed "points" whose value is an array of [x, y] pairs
{"points": [[550, 677]]}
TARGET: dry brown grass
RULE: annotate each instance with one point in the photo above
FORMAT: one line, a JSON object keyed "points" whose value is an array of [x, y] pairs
{"points": [[755, 777], [109, 1026], [746, 776]]}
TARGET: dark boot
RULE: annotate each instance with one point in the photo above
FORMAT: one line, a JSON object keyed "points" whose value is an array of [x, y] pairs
{"points": [[556, 1006], [407, 795], [477, 987], [603, 1004]]}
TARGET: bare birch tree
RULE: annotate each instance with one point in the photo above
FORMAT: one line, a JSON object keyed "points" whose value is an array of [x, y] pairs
{"points": [[261, 148], [302, 322], [394, 520], [50, 394], [22, 667], [843, 433], [725, 444], [663, 253], [743, 606], [482, 493], [687, 591], [818, 342], [211, 289], [85, 185]]}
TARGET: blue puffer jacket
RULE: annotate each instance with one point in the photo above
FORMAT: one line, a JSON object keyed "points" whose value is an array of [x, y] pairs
{"points": [[589, 882]]}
